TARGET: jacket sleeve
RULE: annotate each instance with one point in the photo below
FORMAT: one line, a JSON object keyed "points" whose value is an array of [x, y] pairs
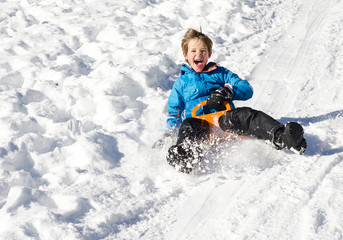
{"points": [[176, 106], [241, 89]]}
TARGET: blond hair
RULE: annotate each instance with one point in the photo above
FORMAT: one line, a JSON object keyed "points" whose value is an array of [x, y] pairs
{"points": [[192, 33]]}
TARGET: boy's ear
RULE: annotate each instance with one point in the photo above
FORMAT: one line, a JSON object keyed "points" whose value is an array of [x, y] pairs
{"points": [[210, 54], [184, 55]]}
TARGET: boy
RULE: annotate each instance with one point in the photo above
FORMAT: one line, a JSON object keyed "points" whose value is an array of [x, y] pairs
{"points": [[199, 81]]}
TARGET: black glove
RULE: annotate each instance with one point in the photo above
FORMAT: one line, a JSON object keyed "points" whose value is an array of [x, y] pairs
{"points": [[218, 96]]}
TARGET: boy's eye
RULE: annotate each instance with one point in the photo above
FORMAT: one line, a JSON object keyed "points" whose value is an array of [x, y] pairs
{"points": [[203, 51]]}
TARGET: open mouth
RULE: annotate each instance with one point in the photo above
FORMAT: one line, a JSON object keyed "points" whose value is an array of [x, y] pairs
{"points": [[198, 62]]}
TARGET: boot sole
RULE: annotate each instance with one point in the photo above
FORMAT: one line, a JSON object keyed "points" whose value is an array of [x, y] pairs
{"points": [[294, 137]]}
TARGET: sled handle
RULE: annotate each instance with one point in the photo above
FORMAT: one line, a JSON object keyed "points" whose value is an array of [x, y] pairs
{"points": [[210, 117]]}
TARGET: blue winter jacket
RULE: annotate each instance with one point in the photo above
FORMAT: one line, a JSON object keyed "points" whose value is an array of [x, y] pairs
{"points": [[192, 88]]}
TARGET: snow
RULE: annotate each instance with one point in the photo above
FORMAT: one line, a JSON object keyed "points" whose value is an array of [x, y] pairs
{"points": [[83, 92]]}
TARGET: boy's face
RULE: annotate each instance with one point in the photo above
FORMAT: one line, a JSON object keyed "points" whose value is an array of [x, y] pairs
{"points": [[197, 55]]}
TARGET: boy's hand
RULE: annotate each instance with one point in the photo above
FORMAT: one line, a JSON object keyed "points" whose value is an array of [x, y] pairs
{"points": [[218, 96], [167, 137]]}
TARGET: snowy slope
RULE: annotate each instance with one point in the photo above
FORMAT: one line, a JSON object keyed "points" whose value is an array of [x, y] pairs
{"points": [[83, 92]]}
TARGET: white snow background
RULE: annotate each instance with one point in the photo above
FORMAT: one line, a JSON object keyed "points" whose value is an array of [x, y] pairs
{"points": [[83, 92]]}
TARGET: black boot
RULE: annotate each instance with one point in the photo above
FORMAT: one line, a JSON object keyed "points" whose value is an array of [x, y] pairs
{"points": [[183, 158], [290, 136]]}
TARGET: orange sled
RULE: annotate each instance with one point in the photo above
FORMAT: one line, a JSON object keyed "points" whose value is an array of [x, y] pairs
{"points": [[212, 118]]}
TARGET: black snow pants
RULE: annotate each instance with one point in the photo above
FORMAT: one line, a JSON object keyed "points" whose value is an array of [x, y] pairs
{"points": [[242, 121]]}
